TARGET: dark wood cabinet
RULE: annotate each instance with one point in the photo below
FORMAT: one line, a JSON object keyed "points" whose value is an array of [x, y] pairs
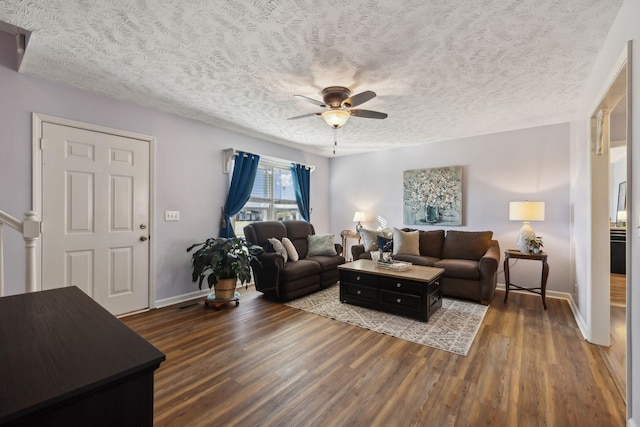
{"points": [[618, 250], [66, 361]]}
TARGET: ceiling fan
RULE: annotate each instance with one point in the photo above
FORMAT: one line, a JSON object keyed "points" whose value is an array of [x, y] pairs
{"points": [[339, 102]]}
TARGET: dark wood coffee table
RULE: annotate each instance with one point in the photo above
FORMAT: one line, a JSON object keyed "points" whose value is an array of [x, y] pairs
{"points": [[415, 293]]}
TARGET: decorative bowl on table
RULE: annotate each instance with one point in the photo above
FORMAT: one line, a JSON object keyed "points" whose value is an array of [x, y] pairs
{"points": [[394, 265]]}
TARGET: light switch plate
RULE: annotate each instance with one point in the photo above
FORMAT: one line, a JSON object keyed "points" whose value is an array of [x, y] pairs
{"points": [[172, 215]]}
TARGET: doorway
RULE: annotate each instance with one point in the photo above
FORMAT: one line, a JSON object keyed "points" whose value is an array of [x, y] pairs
{"points": [[610, 268], [93, 195], [616, 354]]}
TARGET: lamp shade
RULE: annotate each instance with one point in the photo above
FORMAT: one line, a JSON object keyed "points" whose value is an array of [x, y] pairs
{"points": [[358, 217], [336, 118], [526, 211]]}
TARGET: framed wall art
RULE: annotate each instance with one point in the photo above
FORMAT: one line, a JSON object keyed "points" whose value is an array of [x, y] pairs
{"points": [[433, 196]]}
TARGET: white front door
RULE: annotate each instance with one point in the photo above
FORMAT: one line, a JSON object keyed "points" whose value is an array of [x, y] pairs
{"points": [[95, 215]]}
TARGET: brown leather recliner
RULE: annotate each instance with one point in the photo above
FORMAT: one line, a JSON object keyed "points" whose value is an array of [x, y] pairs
{"points": [[286, 281]]}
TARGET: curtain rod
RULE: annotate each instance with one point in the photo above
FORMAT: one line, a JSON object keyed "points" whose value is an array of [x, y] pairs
{"points": [[230, 153]]}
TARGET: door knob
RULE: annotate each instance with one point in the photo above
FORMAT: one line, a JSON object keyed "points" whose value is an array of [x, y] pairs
{"points": [[143, 238], [143, 226]]}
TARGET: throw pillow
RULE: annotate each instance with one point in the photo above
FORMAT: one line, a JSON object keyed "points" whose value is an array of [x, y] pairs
{"points": [[370, 239], [279, 248], [385, 244], [386, 232], [291, 250], [406, 242], [268, 247], [321, 244]]}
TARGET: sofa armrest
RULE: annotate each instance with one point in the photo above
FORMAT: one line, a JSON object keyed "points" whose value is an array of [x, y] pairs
{"points": [[488, 266], [266, 272], [271, 261], [490, 260], [356, 251]]}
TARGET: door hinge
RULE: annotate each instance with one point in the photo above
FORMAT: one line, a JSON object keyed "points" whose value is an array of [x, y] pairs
{"points": [[42, 142]]}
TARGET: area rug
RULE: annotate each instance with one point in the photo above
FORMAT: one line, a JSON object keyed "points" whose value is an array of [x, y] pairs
{"points": [[451, 328]]}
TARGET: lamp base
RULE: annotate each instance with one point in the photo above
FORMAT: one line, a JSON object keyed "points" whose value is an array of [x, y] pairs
{"points": [[526, 234]]}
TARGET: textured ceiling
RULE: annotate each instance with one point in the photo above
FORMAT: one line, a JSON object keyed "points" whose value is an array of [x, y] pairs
{"points": [[442, 69]]}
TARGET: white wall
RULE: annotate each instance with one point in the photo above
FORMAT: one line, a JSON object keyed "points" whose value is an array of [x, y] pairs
{"points": [[188, 168], [530, 164], [624, 28], [617, 155], [618, 173]]}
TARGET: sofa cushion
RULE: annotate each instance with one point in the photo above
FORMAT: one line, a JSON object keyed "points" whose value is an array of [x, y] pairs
{"points": [[327, 262], [297, 232], [470, 245], [417, 259], [297, 270], [257, 233], [321, 244], [279, 248], [291, 250], [431, 243], [406, 242], [459, 268]]}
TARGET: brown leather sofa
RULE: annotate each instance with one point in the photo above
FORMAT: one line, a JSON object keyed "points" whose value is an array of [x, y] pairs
{"points": [[470, 260], [292, 279]]}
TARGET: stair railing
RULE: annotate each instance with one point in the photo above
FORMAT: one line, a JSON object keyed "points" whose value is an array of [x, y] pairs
{"points": [[29, 227]]}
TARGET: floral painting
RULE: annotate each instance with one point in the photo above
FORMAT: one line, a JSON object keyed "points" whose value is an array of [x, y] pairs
{"points": [[433, 196]]}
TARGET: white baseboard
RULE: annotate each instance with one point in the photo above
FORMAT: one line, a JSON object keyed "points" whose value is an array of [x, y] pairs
{"points": [[579, 320], [182, 298], [191, 296], [559, 295]]}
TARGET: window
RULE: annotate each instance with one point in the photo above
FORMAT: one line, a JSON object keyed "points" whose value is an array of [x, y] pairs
{"points": [[272, 198]]}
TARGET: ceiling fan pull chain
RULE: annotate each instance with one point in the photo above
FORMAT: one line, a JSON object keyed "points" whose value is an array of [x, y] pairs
{"points": [[335, 139]]}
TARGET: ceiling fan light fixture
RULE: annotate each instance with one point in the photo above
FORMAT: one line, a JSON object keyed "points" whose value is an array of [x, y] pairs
{"points": [[336, 118]]}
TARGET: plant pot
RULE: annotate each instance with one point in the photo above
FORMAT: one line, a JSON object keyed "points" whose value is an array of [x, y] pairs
{"points": [[225, 288]]}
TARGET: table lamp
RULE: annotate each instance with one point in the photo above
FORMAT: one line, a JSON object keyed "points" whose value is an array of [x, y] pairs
{"points": [[358, 217], [526, 211]]}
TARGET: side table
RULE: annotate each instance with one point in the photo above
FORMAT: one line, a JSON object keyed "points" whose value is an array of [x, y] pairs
{"points": [[348, 234], [542, 290]]}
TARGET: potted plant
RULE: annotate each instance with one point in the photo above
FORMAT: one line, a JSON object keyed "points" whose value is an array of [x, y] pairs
{"points": [[223, 261], [535, 244]]}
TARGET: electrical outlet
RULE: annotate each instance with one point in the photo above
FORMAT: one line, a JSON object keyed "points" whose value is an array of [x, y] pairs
{"points": [[172, 215]]}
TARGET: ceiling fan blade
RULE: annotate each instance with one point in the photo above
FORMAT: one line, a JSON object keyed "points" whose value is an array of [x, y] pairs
{"points": [[303, 116], [311, 100], [368, 114], [360, 98]]}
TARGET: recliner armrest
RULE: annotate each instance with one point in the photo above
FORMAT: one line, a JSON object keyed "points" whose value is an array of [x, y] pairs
{"points": [[271, 261]]}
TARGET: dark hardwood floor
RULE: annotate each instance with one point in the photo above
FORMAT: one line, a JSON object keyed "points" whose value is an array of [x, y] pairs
{"points": [[267, 364], [618, 290], [616, 354]]}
